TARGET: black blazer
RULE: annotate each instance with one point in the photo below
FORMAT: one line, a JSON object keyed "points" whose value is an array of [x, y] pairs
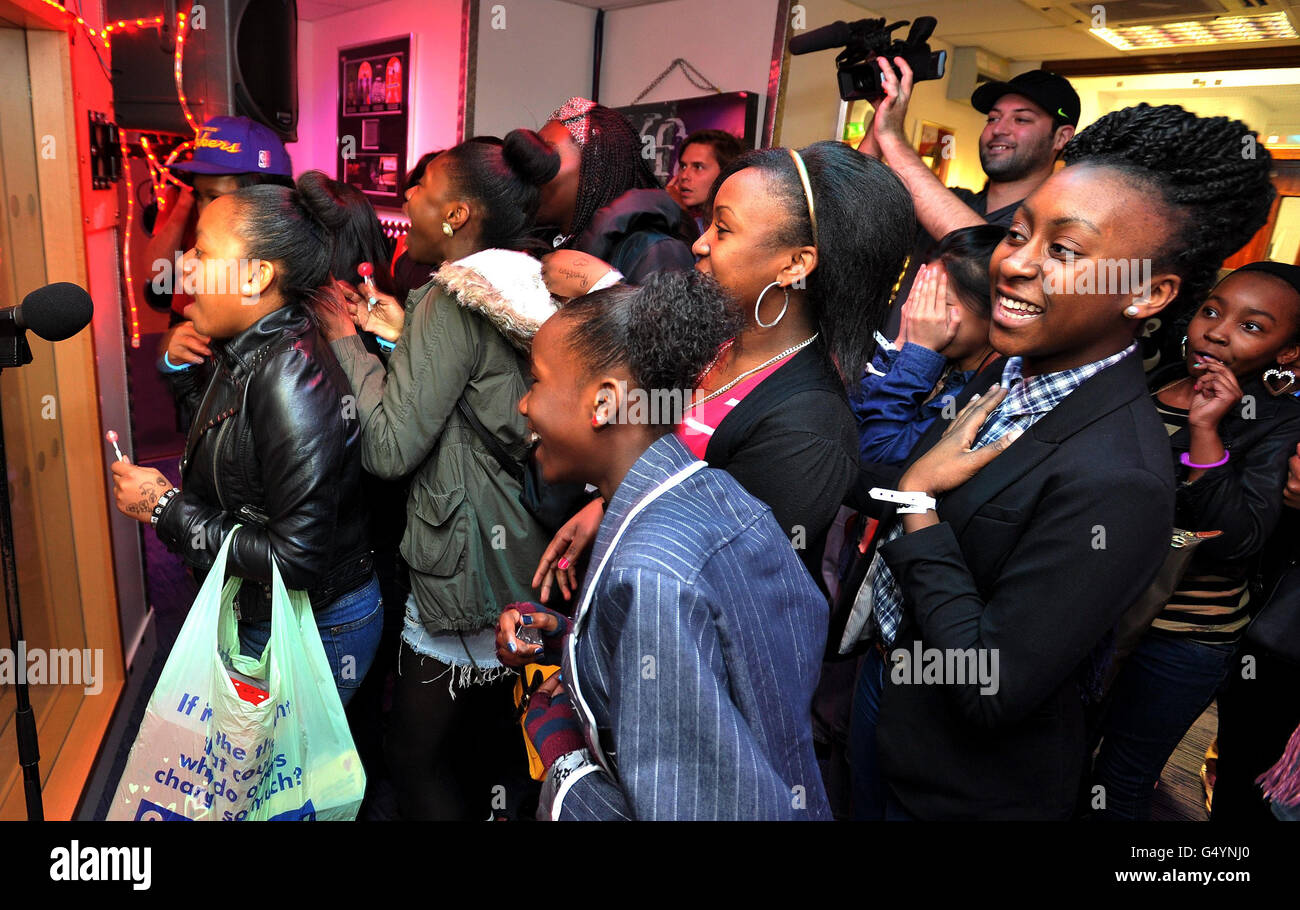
{"points": [[792, 443], [1036, 557]]}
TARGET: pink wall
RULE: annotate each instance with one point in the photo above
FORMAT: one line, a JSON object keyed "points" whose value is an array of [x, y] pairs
{"points": [[435, 27]]}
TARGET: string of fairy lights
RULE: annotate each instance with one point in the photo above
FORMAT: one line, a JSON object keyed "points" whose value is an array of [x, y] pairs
{"points": [[159, 175]]}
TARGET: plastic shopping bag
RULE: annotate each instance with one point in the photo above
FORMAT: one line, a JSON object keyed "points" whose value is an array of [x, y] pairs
{"points": [[205, 753]]}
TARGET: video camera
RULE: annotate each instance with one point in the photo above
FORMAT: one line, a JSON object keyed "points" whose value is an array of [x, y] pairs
{"points": [[866, 40]]}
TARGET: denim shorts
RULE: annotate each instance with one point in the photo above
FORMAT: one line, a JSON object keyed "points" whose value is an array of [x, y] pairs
{"points": [[349, 629], [474, 649]]}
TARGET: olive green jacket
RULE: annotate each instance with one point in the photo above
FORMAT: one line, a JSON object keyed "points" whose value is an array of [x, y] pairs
{"points": [[471, 545]]}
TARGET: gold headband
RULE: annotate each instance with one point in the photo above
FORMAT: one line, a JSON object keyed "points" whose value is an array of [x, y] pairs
{"points": [[807, 192]]}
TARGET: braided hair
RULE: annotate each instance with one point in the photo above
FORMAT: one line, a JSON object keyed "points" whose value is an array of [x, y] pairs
{"points": [[611, 165], [1211, 172]]}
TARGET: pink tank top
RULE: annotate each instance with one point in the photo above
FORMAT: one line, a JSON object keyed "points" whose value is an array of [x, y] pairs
{"points": [[700, 422]]}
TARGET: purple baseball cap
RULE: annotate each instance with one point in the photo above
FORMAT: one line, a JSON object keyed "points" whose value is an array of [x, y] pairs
{"points": [[237, 145]]}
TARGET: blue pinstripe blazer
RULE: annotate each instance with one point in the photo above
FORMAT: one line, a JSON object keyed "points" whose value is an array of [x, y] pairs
{"points": [[699, 656]]}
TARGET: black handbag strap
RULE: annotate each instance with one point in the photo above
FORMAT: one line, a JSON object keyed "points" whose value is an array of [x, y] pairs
{"points": [[508, 464]]}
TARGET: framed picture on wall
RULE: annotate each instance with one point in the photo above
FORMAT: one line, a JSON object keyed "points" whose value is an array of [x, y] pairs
{"points": [[663, 125], [936, 145], [374, 117]]}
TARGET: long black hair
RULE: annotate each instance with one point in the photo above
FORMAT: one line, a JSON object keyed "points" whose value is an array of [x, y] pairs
{"points": [[505, 181], [1211, 172], [865, 228], [355, 233], [666, 332], [965, 254]]}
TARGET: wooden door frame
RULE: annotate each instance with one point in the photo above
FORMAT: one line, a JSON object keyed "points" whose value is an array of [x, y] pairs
{"points": [[67, 766], [1287, 182]]}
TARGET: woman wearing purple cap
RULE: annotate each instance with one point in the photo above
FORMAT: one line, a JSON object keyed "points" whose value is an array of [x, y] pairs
{"points": [[230, 153]]}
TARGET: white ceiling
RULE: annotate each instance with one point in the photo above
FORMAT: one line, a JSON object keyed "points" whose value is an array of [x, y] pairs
{"points": [[617, 4], [1018, 29], [311, 10]]}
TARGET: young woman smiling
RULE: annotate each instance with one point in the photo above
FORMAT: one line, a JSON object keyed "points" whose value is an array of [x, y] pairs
{"points": [[808, 245], [688, 675], [1031, 559]]}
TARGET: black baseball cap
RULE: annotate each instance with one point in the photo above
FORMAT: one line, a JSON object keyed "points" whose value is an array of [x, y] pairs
{"points": [[1049, 91]]}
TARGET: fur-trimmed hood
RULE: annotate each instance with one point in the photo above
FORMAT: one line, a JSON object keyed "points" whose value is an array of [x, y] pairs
{"points": [[503, 285]]}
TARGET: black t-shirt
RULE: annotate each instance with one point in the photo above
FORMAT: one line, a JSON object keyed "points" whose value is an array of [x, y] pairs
{"points": [[925, 243]]}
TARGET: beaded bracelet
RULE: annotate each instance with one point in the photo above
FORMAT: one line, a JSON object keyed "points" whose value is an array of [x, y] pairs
{"points": [[163, 502], [1185, 459]]}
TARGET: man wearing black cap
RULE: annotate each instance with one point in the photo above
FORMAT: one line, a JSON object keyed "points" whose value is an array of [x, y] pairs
{"points": [[1030, 119]]}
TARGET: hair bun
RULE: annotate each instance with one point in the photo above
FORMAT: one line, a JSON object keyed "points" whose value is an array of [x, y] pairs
{"points": [[530, 157], [314, 194]]}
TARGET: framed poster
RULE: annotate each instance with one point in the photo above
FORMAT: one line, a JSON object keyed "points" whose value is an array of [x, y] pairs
{"points": [[664, 125], [373, 117], [936, 145]]}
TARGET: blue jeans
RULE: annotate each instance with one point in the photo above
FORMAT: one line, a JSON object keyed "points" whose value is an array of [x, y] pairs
{"points": [[349, 629], [1165, 684]]}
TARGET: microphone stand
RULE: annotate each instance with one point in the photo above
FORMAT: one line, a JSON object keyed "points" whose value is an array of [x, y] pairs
{"points": [[15, 352]]}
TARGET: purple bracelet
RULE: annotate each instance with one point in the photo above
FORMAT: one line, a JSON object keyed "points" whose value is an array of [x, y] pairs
{"points": [[1203, 467]]}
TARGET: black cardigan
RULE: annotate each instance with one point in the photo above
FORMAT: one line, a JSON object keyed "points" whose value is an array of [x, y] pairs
{"points": [[792, 443], [1035, 559], [1242, 498]]}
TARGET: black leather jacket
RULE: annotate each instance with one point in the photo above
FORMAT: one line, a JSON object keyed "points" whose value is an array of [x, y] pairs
{"points": [[275, 446]]}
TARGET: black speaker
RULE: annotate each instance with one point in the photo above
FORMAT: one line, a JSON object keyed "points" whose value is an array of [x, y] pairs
{"points": [[240, 59]]}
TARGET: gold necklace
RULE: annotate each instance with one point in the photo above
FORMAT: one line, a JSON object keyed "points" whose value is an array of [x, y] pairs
{"points": [[758, 369]]}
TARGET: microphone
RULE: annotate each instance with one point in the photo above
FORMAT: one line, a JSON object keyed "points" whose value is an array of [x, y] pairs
{"points": [[54, 312], [819, 39]]}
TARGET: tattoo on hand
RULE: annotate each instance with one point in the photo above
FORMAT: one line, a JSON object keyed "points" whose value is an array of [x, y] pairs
{"points": [[580, 277]]}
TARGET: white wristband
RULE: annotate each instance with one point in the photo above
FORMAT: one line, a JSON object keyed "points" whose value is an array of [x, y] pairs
{"points": [[910, 503], [564, 772], [608, 280]]}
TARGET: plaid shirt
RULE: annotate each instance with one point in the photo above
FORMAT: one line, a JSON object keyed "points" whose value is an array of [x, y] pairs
{"points": [[1026, 402]]}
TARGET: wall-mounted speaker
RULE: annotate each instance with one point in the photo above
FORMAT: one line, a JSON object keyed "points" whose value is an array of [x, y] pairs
{"points": [[240, 59]]}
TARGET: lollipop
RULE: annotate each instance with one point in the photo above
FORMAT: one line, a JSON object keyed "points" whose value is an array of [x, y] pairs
{"points": [[365, 270], [111, 436]]}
